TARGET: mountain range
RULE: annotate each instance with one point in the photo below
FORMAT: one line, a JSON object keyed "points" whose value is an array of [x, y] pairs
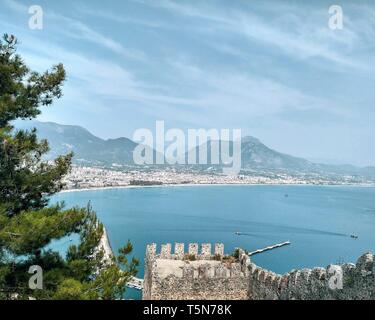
{"points": [[91, 150]]}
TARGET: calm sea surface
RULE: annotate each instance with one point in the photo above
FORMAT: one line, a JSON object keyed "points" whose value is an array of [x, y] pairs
{"points": [[317, 220]]}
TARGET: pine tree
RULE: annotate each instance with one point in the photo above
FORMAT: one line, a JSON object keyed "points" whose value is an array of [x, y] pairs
{"points": [[27, 222]]}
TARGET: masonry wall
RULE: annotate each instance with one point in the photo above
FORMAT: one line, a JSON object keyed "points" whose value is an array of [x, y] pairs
{"points": [[176, 276], [358, 282], [194, 274]]}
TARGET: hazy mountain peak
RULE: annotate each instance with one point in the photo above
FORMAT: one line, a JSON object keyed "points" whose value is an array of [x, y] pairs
{"points": [[91, 150], [251, 139]]}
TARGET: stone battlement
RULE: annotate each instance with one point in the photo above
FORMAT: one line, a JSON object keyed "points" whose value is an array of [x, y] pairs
{"points": [[335, 282], [179, 252], [198, 272], [202, 273]]}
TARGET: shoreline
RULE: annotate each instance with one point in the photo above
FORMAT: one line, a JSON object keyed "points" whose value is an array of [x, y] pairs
{"points": [[359, 185], [106, 245]]}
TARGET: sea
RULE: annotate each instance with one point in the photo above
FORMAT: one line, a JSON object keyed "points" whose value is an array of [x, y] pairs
{"points": [[319, 221]]}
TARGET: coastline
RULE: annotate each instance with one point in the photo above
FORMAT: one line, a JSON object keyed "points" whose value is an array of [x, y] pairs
{"points": [[106, 245], [357, 185]]}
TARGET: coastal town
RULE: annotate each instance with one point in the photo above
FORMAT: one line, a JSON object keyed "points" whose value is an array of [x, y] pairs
{"points": [[97, 177]]}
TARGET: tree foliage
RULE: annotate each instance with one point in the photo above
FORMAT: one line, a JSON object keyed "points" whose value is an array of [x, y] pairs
{"points": [[27, 222]]}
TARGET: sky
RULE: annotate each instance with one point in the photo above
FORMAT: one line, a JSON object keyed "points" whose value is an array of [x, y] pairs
{"points": [[273, 69]]}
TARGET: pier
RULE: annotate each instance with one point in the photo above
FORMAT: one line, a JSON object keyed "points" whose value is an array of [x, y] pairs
{"points": [[278, 245], [135, 283]]}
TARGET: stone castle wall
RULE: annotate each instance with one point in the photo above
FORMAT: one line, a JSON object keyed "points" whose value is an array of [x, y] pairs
{"points": [[204, 275], [195, 274], [335, 282]]}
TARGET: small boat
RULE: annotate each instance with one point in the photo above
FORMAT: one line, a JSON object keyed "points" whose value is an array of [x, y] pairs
{"points": [[237, 233], [354, 236]]}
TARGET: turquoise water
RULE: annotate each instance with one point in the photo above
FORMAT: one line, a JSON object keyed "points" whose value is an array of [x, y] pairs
{"points": [[317, 220]]}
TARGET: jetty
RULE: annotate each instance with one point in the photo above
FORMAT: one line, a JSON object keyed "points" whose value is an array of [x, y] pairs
{"points": [[278, 245], [105, 245], [135, 283]]}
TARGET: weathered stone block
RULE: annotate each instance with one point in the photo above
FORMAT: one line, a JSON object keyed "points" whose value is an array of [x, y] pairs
{"points": [[151, 251], [221, 271], [188, 272], [165, 252], [219, 249], [203, 271], [206, 250], [179, 250], [252, 267], [319, 273], [235, 270], [262, 275], [193, 249], [366, 264], [268, 278]]}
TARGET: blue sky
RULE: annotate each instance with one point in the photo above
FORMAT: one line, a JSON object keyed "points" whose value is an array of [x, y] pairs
{"points": [[272, 68]]}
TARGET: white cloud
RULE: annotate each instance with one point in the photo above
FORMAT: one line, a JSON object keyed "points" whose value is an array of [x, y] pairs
{"points": [[76, 29], [301, 33], [244, 95], [117, 17]]}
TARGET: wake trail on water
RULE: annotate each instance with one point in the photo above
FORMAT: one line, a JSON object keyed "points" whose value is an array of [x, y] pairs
{"points": [[259, 231], [249, 228]]}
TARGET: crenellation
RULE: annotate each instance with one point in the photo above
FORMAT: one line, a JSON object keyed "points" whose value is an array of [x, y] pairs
{"points": [[318, 273], [348, 267], [204, 276], [150, 251], [252, 267], [193, 249], [262, 275], [165, 252], [306, 274], [256, 272], [241, 252], [268, 278], [294, 274], [205, 251], [179, 250], [244, 263], [219, 249], [195, 275], [366, 264], [276, 283]]}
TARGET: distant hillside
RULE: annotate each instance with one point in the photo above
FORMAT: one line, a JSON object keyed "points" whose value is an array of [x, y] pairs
{"points": [[257, 156], [91, 150], [88, 149]]}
